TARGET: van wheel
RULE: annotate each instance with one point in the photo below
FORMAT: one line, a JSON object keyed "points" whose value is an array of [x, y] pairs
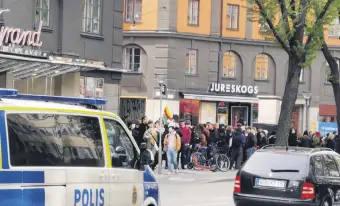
{"points": [[326, 202]]}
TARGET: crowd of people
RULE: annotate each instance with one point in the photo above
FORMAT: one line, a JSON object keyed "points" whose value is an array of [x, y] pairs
{"points": [[180, 138], [314, 140]]}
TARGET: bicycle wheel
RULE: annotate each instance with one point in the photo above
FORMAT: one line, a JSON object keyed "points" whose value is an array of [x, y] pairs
{"points": [[222, 162], [201, 161]]}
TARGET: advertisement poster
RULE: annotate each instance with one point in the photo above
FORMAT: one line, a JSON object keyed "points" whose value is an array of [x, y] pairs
{"points": [[90, 87], [222, 112], [327, 127], [82, 87], [239, 115], [99, 88]]}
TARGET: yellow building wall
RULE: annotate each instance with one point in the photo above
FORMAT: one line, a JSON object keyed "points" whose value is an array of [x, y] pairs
{"points": [[242, 19], [149, 20], [204, 21]]}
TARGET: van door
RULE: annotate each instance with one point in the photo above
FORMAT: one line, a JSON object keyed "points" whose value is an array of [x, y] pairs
{"points": [[126, 181]]}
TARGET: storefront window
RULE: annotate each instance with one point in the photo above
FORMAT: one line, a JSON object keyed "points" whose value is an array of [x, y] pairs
{"points": [[327, 119], [189, 110], [91, 87], [239, 115]]}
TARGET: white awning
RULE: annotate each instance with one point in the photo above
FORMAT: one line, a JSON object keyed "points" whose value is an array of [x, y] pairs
{"points": [[216, 98]]}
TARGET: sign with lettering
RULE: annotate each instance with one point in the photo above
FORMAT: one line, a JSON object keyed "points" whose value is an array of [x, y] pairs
{"points": [[21, 42], [232, 88]]}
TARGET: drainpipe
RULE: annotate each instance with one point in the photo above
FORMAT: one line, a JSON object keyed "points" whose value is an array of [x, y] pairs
{"points": [[60, 25], [219, 63]]}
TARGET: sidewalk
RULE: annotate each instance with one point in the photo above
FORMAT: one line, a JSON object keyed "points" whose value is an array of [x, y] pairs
{"points": [[196, 176]]}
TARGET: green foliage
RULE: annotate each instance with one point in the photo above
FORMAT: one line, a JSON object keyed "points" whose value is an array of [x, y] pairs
{"points": [[296, 17]]}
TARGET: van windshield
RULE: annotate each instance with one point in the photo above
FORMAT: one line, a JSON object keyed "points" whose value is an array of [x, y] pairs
{"points": [[277, 163]]}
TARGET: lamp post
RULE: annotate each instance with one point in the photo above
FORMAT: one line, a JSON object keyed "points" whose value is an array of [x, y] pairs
{"points": [[161, 91], [307, 96]]}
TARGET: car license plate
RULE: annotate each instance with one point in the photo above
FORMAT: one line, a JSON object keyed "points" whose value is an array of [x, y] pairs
{"points": [[270, 183]]}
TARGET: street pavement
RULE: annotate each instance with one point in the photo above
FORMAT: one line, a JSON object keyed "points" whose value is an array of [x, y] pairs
{"points": [[197, 188]]}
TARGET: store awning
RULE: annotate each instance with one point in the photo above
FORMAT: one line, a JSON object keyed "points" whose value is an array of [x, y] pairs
{"points": [[32, 68], [217, 98], [327, 110]]}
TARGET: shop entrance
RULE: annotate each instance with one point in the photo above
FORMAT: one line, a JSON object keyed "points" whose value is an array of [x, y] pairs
{"points": [[240, 113]]}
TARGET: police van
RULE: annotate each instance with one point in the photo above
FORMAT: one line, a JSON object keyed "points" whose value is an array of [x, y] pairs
{"points": [[57, 154]]}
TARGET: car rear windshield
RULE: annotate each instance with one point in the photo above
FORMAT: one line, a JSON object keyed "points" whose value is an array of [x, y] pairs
{"points": [[273, 162]]}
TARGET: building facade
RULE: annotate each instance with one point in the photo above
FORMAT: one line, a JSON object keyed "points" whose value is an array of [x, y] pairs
{"points": [[215, 64], [58, 47]]}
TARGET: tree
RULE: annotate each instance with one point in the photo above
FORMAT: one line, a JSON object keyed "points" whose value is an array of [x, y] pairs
{"points": [[297, 26], [334, 78]]}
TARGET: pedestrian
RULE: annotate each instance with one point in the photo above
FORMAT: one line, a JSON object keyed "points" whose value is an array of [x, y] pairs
{"points": [[172, 144], [135, 133], [250, 142], [306, 140], [143, 127], [263, 139], [330, 143], [150, 137], [237, 149], [317, 140], [184, 153]]}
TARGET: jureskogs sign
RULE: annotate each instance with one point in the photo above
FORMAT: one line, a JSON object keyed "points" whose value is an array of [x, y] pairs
{"points": [[232, 88]]}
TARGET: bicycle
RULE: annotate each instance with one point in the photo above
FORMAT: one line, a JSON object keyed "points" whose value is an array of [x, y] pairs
{"points": [[199, 159]]}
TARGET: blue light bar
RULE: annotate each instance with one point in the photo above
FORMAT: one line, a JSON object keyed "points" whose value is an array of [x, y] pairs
{"points": [[57, 99], [8, 92]]}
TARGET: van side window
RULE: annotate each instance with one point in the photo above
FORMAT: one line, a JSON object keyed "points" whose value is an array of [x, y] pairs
{"points": [[331, 168], [55, 140], [121, 147], [318, 165]]}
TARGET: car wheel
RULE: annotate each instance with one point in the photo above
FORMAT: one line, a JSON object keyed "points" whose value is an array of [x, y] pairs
{"points": [[326, 202]]}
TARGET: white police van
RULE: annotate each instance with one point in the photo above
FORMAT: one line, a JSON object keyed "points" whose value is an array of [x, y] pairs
{"points": [[55, 154]]}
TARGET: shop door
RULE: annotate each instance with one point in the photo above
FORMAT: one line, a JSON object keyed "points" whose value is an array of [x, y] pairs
{"points": [[295, 118], [134, 107]]}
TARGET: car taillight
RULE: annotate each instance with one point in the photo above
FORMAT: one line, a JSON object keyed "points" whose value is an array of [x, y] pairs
{"points": [[308, 191], [237, 186]]}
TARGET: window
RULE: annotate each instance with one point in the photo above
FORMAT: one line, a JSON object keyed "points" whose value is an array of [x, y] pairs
{"points": [[42, 12], [328, 71], [55, 140], [133, 10], [193, 12], [301, 79], [334, 29], [91, 87], [262, 64], [317, 165], [232, 16], [263, 27], [229, 64], [92, 16], [132, 59], [121, 147], [191, 61], [330, 168]]}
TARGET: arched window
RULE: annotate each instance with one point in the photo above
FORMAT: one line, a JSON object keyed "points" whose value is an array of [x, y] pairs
{"points": [[229, 64], [328, 70], [261, 67], [132, 59]]}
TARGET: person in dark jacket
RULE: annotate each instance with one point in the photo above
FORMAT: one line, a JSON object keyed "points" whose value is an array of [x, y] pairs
{"points": [[237, 149], [292, 138], [250, 142], [143, 127], [306, 140], [135, 133], [263, 140], [330, 143]]}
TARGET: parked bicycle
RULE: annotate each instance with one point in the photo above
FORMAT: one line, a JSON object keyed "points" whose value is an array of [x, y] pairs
{"points": [[210, 158]]}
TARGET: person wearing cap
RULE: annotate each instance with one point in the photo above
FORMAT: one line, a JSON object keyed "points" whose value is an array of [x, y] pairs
{"points": [[172, 144]]}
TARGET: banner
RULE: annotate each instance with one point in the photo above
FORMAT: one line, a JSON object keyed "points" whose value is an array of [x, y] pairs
{"points": [[327, 127]]}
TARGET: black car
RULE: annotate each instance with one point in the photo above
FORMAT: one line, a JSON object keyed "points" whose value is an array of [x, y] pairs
{"points": [[289, 176]]}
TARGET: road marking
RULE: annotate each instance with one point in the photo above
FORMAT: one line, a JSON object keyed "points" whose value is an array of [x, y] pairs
{"points": [[210, 204]]}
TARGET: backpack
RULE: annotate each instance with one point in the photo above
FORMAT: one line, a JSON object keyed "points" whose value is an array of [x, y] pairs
{"points": [[237, 141]]}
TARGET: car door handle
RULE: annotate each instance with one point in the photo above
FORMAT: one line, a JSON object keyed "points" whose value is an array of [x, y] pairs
{"points": [[102, 176]]}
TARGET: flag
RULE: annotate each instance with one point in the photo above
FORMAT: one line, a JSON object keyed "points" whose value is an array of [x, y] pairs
{"points": [[166, 115]]}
